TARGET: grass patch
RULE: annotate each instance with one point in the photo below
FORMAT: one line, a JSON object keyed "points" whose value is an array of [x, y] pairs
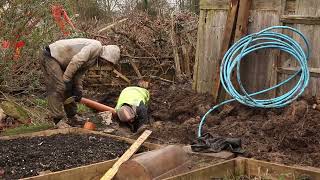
{"points": [[26, 129]]}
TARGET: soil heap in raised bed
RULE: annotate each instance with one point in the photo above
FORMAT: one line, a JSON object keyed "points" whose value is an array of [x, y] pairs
{"points": [[25, 157]]}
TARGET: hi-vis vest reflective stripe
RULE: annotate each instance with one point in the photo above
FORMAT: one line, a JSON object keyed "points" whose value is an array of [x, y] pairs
{"points": [[133, 96]]}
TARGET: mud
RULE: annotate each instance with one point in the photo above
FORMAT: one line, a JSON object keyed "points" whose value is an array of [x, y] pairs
{"points": [[177, 103], [288, 135], [27, 157]]}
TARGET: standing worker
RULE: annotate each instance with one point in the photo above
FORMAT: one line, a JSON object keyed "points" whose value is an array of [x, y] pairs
{"points": [[64, 64], [132, 107]]}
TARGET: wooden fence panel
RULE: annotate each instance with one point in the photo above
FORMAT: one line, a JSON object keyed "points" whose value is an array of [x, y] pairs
{"points": [[210, 35], [307, 8], [258, 70]]}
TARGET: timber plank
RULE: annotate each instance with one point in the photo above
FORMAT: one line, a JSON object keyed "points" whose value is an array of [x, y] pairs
{"points": [[243, 19], [250, 167], [175, 47], [278, 171], [185, 51], [314, 72], [208, 48], [226, 42], [299, 19], [276, 62], [126, 156], [93, 171], [240, 31], [217, 171], [309, 8], [263, 5]]}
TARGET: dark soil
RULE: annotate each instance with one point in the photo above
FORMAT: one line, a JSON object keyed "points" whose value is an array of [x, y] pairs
{"points": [[175, 111], [288, 135], [177, 103], [27, 157]]}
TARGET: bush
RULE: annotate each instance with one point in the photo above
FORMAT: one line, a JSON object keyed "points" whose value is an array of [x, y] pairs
{"points": [[31, 22]]}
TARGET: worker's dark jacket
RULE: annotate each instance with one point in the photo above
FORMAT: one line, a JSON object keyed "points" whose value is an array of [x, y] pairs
{"points": [[137, 98]]}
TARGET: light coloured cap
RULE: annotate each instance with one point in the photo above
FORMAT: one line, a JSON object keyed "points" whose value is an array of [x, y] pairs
{"points": [[111, 53], [126, 114]]}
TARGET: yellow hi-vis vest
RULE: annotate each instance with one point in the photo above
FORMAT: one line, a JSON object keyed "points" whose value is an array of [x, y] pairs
{"points": [[133, 96]]}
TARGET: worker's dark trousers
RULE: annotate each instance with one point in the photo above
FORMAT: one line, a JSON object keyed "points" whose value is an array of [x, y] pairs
{"points": [[56, 91]]}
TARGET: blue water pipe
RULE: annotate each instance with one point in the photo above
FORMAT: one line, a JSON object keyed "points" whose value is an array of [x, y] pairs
{"points": [[265, 39]]}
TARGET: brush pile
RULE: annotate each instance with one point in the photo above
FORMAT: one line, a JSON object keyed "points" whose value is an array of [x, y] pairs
{"points": [[150, 45]]}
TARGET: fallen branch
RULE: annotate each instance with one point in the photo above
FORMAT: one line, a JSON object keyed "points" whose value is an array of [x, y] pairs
{"points": [[106, 85], [135, 68], [134, 40], [112, 25], [121, 76], [137, 57], [100, 36], [162, 79]]}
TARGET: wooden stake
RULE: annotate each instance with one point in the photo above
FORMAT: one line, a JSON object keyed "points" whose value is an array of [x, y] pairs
{"points": [[243, 19], [227, 40], [241, 30], [175, 48], [185, 52], [133, 148]]}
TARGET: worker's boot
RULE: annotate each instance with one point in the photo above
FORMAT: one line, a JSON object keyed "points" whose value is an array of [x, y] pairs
{"points": [[76, 121]]}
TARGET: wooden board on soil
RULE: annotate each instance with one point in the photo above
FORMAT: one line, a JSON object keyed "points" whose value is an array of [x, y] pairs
{"points": [[29, 156]]}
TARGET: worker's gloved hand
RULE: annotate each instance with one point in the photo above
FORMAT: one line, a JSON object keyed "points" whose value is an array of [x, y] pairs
{"points": [[77, 95], [68, 85]]}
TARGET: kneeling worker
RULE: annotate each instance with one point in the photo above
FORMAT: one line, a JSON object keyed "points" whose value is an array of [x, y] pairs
{"points": [[132, 107], [64, 64]]}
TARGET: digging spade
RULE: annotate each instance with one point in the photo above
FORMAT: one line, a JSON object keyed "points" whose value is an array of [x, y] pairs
{"points": [[91, 104]]}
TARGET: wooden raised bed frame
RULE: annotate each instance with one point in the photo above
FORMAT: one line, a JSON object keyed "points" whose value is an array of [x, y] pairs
{"points": [[250, 167], [230, 168], [92, 171]]}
